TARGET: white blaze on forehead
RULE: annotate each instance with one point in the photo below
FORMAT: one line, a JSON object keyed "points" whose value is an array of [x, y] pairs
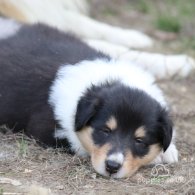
{"points": [[8, 28], [116, 157]]}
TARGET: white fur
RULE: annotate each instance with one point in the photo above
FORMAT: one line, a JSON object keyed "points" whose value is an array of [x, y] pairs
{"points": [[160, 65], [113, 50], [8, 28], [68, 15], [72, 81], [79, 6], [169, 156], [116, 157]]}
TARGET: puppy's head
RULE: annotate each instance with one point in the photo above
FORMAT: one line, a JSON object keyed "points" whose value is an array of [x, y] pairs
{"points": [[121, 128]]}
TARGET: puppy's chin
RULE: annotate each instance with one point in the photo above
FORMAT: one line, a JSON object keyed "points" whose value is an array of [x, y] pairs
{"points": [[100, 168], [123, 174]]}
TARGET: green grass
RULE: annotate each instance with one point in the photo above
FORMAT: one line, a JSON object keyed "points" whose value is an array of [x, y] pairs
{"points": [[1, 191], [168, 23], [188, 45], [169, 15], [143, 6], [108, 11]]}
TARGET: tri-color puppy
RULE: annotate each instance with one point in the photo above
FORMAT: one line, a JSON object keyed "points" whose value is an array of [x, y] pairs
{"points": [[64, 93]]}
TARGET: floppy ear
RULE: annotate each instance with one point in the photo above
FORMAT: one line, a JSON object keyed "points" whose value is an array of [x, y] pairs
{"points": [[166, 127], [86, 109]]}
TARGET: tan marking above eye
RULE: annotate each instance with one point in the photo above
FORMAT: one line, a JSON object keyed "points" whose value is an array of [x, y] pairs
{"points": [[140, 132], [111, 123]]}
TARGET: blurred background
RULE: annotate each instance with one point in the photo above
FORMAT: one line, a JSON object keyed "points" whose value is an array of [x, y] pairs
{"points": [[172, 22]]}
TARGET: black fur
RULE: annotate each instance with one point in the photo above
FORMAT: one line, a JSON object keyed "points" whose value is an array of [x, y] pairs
{"points": [[29, 61]]}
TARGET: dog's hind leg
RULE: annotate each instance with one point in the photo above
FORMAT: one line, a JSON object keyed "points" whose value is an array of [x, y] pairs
{"points": [[57, 15], [159, 65]]}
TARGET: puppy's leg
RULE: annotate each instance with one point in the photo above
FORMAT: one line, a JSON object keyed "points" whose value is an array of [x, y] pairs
{"points": [[169, 156]]}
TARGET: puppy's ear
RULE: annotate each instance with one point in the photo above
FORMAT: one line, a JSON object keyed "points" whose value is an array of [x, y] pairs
{"points": [[86, 109], [166, 127]]}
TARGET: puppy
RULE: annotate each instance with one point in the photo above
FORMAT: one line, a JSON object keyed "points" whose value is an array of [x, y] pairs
{"points": [[63, 93]]}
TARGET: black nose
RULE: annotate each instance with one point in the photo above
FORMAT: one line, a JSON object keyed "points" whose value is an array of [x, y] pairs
{"points": [[112, 166]]}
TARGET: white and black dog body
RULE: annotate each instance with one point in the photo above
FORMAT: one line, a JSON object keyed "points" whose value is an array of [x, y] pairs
{"points": [[64, 93]]}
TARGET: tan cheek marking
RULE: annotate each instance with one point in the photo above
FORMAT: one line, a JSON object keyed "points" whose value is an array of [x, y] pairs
{"points": [[153, 152], [85, 137], [140, 132], [99, 155], [132, 164], [10, 10], [112, 123]]}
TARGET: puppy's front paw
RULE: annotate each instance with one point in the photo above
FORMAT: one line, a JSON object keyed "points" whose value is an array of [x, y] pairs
{"points": [[169, 156]]}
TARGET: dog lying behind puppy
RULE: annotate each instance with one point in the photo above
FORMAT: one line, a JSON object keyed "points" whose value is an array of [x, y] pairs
{"points": [[72, 16], [64, 93]]}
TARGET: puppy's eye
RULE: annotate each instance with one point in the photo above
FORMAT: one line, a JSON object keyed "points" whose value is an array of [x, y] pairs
{"points": [[139, 140], [141, 143], [106, 130]]}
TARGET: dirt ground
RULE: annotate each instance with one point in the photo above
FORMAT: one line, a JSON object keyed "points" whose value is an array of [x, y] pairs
{"points": [[23, 163]]}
